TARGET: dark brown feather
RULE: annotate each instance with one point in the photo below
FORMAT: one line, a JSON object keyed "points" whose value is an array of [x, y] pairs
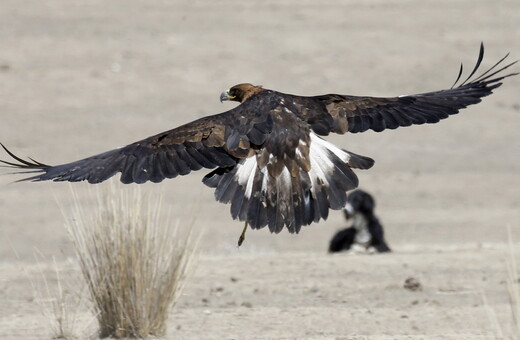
{"points": [[196, 145], [342, 113]]}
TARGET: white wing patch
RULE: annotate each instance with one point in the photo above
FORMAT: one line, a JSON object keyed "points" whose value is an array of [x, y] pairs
{"points": [[319, 146], [321, 165], [246, 174], [321, 168]]}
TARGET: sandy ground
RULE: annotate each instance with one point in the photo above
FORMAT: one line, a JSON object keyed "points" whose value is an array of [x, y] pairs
{"points": [[78, 78]]}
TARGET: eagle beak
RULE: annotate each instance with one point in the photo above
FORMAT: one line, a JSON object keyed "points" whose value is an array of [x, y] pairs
{"points": [[225, 96]]}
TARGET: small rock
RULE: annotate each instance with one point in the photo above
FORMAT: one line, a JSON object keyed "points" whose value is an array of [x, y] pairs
{"points": [[247, 304], [412, 284]]}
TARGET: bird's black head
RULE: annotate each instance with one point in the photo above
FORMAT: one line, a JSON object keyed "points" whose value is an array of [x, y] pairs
{"points": [[240, 93]]}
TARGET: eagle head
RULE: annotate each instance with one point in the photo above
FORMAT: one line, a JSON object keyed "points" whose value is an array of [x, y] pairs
{"points": [[240, 93]]}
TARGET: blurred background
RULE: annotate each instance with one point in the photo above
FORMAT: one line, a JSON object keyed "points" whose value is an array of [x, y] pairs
{"points": [[81, 77]]}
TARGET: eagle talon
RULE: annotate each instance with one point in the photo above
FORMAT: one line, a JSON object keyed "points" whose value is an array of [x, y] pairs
{"points": [[242, 235]]}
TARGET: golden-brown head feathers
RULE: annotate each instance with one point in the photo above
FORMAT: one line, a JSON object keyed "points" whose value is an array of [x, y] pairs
{"points": [[240, 93]]}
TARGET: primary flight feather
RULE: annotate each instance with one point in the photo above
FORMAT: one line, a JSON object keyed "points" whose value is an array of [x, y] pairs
{"points": [[268, 159]]}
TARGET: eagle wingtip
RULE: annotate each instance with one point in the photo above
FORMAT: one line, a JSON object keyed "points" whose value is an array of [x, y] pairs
{"points": [[30, 166]]}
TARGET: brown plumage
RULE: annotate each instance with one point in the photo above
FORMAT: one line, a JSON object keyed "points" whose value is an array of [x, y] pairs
{"points": [[267, 157]]}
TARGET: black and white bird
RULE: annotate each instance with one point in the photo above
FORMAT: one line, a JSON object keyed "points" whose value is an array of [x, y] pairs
{"points": [[267, 155], [366, 233]]}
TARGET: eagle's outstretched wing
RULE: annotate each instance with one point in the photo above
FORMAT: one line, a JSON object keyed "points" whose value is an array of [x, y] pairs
{"points": [[343, 113], [214, 141], [270, 164]]}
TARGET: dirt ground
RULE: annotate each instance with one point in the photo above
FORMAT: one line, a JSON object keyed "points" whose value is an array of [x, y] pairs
{"points": [[78, 78]]}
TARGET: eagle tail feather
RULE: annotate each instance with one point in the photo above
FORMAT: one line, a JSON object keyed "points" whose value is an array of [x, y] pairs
{"points": [[295, 197]]}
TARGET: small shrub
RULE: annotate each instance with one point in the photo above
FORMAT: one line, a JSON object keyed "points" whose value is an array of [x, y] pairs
{"points": [[134, 265]]}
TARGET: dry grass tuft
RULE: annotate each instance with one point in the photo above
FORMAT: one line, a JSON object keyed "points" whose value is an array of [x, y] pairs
{"points": [[61, 305], [134, 264]]}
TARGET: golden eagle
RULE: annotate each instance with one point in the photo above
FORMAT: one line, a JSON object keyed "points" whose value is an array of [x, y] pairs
{"points": [[268, 159]]}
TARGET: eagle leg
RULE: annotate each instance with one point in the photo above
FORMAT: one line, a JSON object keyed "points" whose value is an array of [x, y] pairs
{"points": [[242, 235]]}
